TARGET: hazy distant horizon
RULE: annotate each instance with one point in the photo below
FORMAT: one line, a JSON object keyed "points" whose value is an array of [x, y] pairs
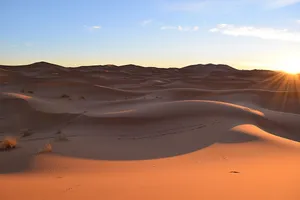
{"points": [[124, 64]]}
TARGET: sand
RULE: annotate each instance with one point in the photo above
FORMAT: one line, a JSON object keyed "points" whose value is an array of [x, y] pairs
{"points": [[145, 133]]}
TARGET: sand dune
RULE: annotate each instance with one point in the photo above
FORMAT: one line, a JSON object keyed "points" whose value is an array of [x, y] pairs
{"points": [[130, 132]]}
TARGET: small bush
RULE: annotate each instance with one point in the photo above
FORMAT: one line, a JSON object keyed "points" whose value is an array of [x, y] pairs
{"points": [[30, 92], [8, 143], [46, 149], [65, 96]]}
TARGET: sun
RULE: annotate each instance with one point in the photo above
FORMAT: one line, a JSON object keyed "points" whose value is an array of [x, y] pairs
{"points": [[293, 69], [291, 66]]}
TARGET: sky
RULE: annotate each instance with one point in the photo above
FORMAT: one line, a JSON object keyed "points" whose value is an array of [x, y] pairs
{"points": [[246, 34]]}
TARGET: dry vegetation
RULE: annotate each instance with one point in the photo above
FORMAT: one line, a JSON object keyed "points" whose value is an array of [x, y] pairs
{"points": [[8, 143], [65, 96], [46, 149]]}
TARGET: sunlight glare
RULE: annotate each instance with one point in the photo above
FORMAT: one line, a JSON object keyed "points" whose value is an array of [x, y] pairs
{"points": [[291, 66]]}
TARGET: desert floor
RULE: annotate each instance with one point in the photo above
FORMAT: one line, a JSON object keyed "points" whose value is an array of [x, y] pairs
{"points": [[141, 134]]}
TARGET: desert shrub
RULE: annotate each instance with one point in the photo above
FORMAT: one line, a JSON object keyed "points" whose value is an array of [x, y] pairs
{"points": [[46, 149], [65, 96], [8, 143]]}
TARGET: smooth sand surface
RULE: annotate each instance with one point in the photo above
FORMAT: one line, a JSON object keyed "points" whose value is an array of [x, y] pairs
{"points": [[125, 134]]}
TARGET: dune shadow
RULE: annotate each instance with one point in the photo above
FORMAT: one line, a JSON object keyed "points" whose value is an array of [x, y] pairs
{"points": [[14, 161], [279, 129], [156, 145]]}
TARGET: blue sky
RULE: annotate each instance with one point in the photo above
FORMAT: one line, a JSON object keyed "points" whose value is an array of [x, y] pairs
{"points": [[163, 33]]}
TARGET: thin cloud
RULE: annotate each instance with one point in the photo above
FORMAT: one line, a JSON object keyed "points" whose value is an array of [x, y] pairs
{"points": [[96, 27], [93, 28], [263, 33], [194, 6], [180, 28], [298, 21], [195, 28], [146, 22]]}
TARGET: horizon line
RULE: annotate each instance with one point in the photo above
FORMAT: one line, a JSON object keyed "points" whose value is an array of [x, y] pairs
{"points": [[110, 64]]}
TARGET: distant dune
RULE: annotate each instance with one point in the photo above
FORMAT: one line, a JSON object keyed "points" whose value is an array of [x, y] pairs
{"points": [[132, 132]]}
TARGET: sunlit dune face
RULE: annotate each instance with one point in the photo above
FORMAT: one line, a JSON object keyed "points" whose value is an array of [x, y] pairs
{"points": [[291, 66], [20, 96]]}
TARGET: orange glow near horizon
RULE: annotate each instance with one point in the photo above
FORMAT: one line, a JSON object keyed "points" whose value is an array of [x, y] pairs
{"points": [[290, 66], [288, 90]]}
